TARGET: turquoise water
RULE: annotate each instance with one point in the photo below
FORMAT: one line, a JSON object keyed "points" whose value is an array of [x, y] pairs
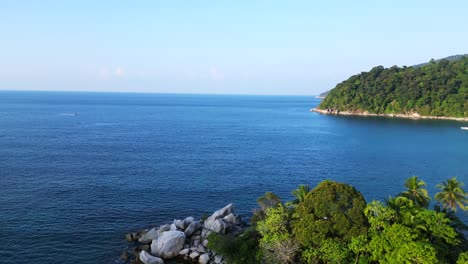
{"points": [[79, 170]]}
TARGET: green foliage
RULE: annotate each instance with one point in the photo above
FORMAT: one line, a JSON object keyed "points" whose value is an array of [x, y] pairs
{"points": [[277, 244], [266, 201], [330, 251], [452, 194], [437, 89], [463, 258], [403, 232], [275, 226], [240, 249], [415, 191], [332, 210], [400, 244]]}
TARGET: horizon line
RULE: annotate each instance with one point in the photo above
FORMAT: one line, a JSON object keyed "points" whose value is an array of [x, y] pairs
{"points": [[150, 92]]}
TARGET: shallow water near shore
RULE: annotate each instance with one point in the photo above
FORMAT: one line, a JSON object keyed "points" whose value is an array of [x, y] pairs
{"points": [[79, 170]]}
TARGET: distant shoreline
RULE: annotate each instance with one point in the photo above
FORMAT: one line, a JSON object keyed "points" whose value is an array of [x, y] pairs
{"points": [[407, 116]]}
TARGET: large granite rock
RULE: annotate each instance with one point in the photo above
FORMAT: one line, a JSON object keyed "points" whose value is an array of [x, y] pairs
{"points": [[228, 209], [146, 258], [230, 218], [179, 224], [215, 221], [152, 234], [188, 221], [218, 226], [192, 227], [147, 237], [168, 244]]}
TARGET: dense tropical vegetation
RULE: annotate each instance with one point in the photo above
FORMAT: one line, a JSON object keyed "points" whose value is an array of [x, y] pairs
{"points": [[438, 88], [332, 223]]}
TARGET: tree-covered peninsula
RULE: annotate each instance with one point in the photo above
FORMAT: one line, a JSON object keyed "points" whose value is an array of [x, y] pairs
{"points": [[438, 88]]}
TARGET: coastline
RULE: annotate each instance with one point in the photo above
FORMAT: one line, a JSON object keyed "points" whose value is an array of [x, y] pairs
{"points": [[407, 116]]}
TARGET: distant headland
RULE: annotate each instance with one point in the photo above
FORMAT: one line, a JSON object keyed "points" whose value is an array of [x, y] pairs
{"points": [[434, 90]]}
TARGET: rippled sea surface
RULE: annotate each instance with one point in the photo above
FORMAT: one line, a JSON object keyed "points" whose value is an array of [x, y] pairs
{"points": [[79, 170]]}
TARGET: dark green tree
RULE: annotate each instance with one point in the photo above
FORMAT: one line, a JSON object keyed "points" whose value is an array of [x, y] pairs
{"points": [[331, 214]]}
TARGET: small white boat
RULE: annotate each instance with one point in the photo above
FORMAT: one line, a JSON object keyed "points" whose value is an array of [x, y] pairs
{"points": [[464, 128]]}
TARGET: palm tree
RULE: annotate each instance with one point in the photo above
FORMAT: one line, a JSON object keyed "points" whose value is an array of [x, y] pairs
{"points": [[300, 194], [416, 192], [451, 194]]}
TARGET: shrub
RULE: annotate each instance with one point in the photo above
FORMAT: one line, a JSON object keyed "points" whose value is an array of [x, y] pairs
{"points": [[240, 249]]}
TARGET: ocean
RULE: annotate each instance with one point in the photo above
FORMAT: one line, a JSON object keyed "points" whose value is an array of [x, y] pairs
{"points": [[79, 170]]}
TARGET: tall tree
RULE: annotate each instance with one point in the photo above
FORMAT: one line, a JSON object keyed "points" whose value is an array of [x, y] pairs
{"points": [[331, 214], [452, 194], [415, 191]]}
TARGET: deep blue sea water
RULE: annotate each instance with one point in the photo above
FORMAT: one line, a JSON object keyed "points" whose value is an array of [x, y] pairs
{"points": [[72, 185]]}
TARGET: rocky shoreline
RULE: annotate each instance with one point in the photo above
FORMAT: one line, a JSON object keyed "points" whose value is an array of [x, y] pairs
{"points": [[183, 240], [407, 116]]}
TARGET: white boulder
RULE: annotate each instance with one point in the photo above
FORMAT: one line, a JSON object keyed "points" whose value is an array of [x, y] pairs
{"points": [[218, 226], [204, 259], [188, 220], [152, 234], [194, 255], [184, 251], [192, 227], [146, 258], [147, 237], [179, 224], [168, 244], [230, 218], [228, 209]]}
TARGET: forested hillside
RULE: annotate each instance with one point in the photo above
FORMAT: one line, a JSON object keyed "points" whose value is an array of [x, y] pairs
{"points": [[439, 88]]}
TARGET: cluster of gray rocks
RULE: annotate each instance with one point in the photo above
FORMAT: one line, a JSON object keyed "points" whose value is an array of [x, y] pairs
{"points": [[185, 239]]}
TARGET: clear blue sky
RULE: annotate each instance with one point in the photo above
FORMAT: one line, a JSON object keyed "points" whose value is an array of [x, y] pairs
{"points": [[257, 47]]}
